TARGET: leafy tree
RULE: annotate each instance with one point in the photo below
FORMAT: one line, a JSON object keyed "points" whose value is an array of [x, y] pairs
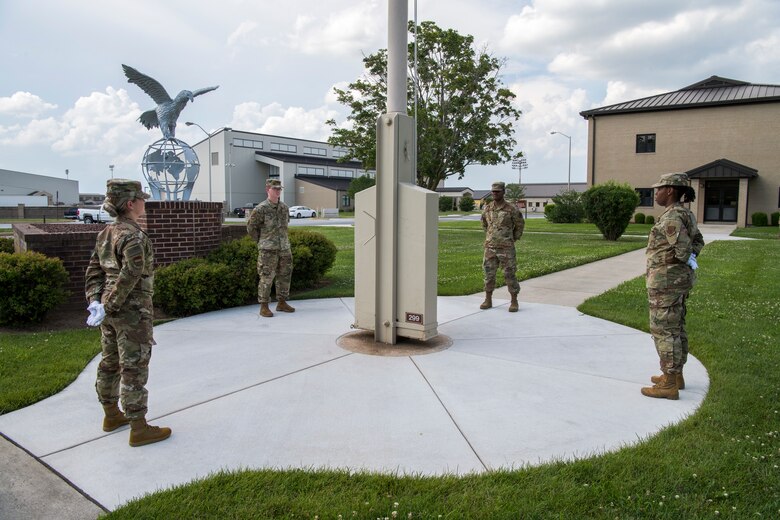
{"points": [[610, 206], [446, 203], [464, 113], [359, 184], [466, 202], [514, 192], [566, 208]]}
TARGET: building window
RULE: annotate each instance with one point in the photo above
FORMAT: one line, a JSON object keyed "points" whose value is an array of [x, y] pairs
{"points": [[336, 172], [281, 147], [248, 143], [310, 170], [311, 150], [339, 153], [215, 158], [645, 196], [345, 202], [645, 143]]}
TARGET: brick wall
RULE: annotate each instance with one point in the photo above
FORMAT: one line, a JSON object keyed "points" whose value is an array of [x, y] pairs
{"points": [[181, 230], [178, 230], [71, 243]]}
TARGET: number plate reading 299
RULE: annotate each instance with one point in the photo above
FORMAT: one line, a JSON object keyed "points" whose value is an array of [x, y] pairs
{"points": [[413, 317]]}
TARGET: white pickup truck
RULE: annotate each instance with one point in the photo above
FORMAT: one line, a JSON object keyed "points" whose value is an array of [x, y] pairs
{"points": [[91, 215]]}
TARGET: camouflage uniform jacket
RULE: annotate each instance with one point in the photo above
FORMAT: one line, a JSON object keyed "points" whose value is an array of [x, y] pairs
{"points": [[503, 224], [268, 225], [671, 242], [122, 265]]}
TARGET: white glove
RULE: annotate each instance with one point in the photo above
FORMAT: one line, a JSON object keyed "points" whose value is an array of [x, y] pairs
{"points": [[692, 261], [96, 314]]}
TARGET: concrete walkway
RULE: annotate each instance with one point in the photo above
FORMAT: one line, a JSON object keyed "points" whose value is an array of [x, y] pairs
{"points": [[546, 383]]}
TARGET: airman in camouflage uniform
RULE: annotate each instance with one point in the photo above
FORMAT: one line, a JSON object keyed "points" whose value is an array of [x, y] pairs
{"points": [[119, 286], [503, 224], [268, 227], [672, 248]]}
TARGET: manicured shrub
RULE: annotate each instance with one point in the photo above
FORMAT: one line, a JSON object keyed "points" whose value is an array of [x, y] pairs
{"points": [[6, 245], [775, 218], [241, 257], [610, 206], [31, 284], [650, 220], [639, 218], [228, 276], [759, 219], [313, 255], [445, 203], [566, 208], [466, 202], [194, 286]]}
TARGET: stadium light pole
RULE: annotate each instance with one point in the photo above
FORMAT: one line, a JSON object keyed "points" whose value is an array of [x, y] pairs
{"points": [[190, 123], [568, 184]]}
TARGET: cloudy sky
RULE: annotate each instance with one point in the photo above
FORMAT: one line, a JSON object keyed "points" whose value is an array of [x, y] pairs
{"points": [[65, 103]]}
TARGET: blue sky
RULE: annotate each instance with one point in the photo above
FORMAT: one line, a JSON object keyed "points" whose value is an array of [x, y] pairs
{"points": [[65, 103]]}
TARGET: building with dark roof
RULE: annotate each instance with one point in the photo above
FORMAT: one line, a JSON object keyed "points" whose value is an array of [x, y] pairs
{"points": [[312, 173], [720, 131]]}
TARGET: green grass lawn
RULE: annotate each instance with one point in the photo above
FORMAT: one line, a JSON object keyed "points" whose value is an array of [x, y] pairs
{"points": [[460, 255], [722, 462], [36, 365], [764, 232]]}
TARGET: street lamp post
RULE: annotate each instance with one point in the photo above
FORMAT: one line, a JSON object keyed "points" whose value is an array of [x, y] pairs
{"points": [[111, 167], [519, 164], [568, 184], [190, 123]]}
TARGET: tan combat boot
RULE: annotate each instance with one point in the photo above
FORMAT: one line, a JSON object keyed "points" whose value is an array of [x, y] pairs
{"points": [[513, 305], [142, 433], [678, 379], [488, 303], [114, 417], [265, 312], [665, 389], [282, 306]]}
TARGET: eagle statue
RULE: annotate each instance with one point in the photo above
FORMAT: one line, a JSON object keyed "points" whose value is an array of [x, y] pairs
{"points": [[168, 110]]}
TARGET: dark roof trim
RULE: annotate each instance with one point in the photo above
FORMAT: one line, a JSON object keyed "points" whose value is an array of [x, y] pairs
{"points": [[722, 169], [312, 161], [332, 183], [713, 91]]}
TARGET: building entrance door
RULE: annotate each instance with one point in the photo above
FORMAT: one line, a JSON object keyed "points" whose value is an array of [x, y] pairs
{"points": [[720, 201]]}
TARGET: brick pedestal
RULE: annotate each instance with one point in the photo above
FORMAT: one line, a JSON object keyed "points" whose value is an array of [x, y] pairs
{"points": [[181, 230], [178, 230]]}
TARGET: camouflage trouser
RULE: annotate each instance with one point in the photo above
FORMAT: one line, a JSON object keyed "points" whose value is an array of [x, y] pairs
{"points": [[273, 263], [667, 325], [504, 257], [127, 347]]}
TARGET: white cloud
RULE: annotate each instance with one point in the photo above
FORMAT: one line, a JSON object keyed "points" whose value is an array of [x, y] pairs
{"points": [[620, 91], [246, 34], [24, 104], [100, 123], [278, 120], [349, 30]]}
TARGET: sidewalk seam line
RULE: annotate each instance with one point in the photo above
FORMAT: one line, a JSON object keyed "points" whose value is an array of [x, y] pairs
{"points": [[60, 475], [193, 405], [462, 433]]}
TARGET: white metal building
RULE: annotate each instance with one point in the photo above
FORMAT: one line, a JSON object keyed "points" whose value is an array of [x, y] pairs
{"points": [[58, 191], [240, 163]]}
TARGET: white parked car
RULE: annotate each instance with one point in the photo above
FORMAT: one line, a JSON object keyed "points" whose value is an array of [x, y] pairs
{"points": [[302, 212]]}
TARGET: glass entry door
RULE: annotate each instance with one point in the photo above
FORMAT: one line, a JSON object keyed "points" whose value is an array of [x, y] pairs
{"points": [[720, 201]]}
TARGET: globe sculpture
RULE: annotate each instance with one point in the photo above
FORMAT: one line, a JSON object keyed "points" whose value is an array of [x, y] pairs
{"points": [[170, 166]]}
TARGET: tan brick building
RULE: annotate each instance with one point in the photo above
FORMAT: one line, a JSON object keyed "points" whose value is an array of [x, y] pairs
{"points": [[722, 132]]}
